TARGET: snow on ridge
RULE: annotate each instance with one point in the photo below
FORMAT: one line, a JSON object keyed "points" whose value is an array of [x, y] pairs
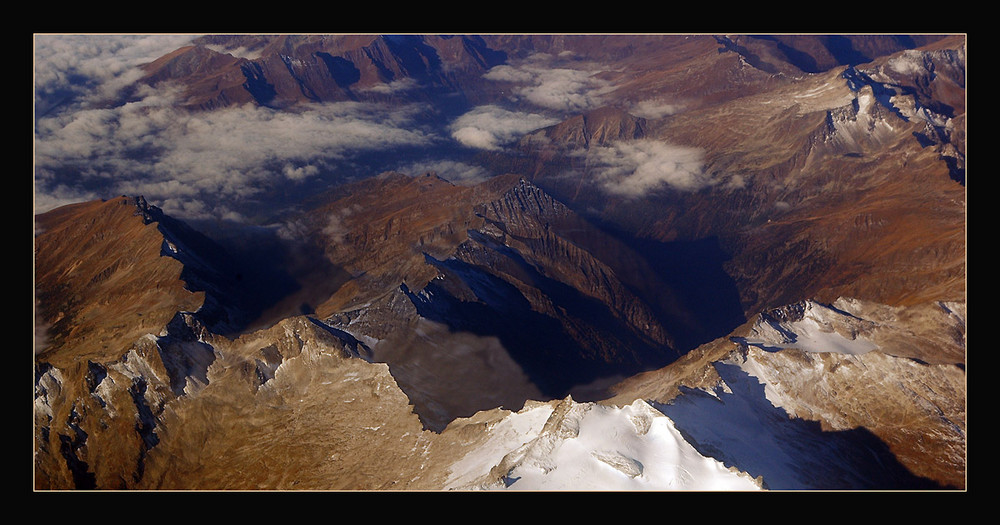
{"points": [[592, 447], [506, 435], [812, 327]]}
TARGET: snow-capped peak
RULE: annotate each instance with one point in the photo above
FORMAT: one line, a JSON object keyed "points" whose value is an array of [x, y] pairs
{"points": [[591, 447], [812, 327]]}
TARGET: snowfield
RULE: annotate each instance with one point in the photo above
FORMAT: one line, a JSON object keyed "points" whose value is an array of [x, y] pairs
{"points": [[591, 447], [820, 328]]}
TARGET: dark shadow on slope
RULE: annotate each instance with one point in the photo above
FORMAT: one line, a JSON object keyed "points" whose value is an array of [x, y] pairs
{"points": [[752, 58], [905, 41], [82, 477], [257, 84], [556, 354], [597, 316], [694, 272], [235, 290], [857, 79], [482, 53], [797, 58], [955, 171], [417, 59], [842, 48], [742, 428], [343, 71], [254, 278], [184, 355], [351, 344]]}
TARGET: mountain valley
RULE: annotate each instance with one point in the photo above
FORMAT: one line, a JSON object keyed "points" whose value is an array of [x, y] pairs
{"points": [[503, 262]]}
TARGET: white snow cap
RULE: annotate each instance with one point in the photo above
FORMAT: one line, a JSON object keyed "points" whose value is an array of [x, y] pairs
{"points": [[591, 447]]}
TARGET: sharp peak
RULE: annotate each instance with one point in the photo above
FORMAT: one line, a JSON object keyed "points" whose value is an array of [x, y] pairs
{"points": [[147, 211], [509, 181]]}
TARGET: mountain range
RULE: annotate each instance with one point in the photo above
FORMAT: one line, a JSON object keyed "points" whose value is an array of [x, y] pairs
{"points": [[540, 262]]}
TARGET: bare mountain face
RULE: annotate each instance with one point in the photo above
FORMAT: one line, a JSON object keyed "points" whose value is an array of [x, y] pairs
{"points": [[501, 263], [285, 70], [754, 235]]}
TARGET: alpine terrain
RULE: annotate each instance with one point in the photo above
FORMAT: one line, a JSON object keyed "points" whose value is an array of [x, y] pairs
{"points": [[500, 262]]}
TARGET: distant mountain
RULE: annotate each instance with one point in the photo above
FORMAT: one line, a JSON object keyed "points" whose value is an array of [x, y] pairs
{"points": [[844, 172], [600, 127], [285, 70]]}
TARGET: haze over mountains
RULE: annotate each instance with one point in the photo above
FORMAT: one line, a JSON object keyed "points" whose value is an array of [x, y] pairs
{"points": [[426, 262]]}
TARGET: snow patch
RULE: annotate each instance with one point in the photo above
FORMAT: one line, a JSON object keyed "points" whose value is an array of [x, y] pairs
{"points": [[586, 446], [510, 433], [811, 327]]}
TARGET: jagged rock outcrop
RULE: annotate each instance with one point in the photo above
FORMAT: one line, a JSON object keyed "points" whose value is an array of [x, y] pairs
{"points": [[600, 127]]}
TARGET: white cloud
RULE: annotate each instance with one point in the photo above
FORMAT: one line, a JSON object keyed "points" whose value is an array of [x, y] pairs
{"points": [[508, 73], [490, 127], [90, 68], [455, 172], [60, 195], [654, 109], [85, 146], [335, 228], [633, 169], [298, 173], [238, 52], [396, 86], [151, 148], [545, 83]]}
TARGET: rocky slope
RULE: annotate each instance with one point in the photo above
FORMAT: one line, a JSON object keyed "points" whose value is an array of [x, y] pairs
{"points": [[286, 70], [847, 172], [858, 369], [753, 251], [512, 274], [101, 280], [180, 407]]}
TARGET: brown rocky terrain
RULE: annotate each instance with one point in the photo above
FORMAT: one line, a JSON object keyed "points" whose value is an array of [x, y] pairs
{"points": [[813, 171], [501, 263], [286, 70], [600, 127], [823, 203], [919, 350], [102, 283], [101, 280]]}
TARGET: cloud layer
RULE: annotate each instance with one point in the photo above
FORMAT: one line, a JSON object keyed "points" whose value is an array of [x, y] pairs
{"points": [[174, 156], [195, 165], [88, 69], [491, 127], [634, 169], [89, 145], [544, 82]]}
